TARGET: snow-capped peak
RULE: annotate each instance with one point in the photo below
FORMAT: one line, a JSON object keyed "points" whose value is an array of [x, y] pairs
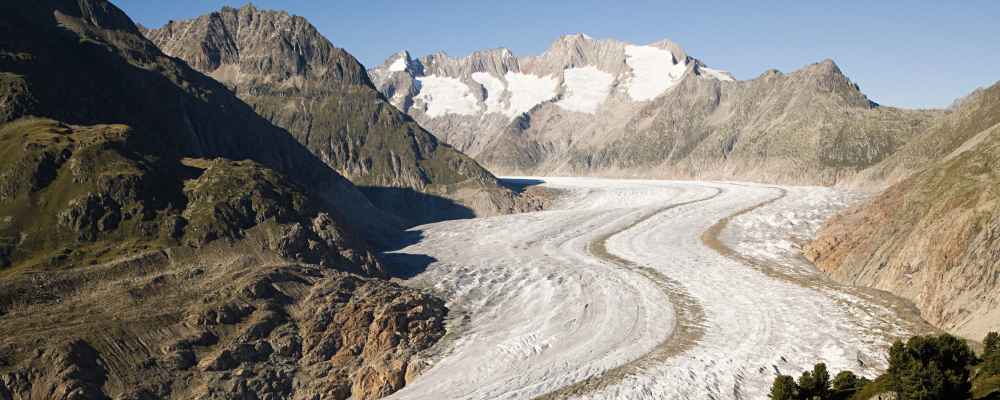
{"points": [[576, 73], [401, 63], [575, 36], [654, 70]]}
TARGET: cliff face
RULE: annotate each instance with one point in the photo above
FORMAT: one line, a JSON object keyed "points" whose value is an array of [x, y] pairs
{"points": [[159, 239], [933, 236], [293, 76], [604, 107]]}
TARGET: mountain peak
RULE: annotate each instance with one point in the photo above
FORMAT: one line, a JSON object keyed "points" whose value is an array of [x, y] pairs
{"points": [[400, 61], [829, 65], [231, 36], [246, 8], [573, 37], [680, 55], [827, 76], [825, 68]]}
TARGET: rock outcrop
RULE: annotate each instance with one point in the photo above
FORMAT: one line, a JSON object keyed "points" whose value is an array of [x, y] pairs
{"points": [[934, 236], [159, 239], [604, 107], [293, 76]]}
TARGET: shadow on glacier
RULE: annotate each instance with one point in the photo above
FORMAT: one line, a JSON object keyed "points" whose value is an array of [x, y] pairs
{"points": [[413, 207], [403, 265], [519, 185]]}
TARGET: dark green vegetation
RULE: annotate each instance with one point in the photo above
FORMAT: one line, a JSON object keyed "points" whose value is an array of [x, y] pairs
{"points": [[159, 239], [987, 378], [75, 195], [816, 384], [923, 368], [293, 76]]}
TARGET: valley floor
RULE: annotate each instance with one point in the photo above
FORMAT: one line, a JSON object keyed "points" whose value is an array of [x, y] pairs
{"points": [[624, 290]]}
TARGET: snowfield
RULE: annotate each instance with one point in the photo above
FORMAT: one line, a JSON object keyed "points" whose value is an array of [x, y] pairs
{"points": [[614, 294], [444, 95], [527, 91], [653, 71], [586, 89]]}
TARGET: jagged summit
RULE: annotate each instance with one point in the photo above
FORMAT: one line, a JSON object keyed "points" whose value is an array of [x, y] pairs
{"points": [[577, 72], [575, 36]]}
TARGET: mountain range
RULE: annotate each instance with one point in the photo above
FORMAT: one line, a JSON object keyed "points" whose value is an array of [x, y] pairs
{"points": [[604, 107]]}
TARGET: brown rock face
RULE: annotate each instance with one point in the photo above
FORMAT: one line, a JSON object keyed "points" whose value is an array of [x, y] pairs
{"points": [[216, 330], [934, 237], [294, 77]]}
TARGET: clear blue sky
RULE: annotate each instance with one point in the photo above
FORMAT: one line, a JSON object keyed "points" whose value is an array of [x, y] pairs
{"points": [[902, 53]]}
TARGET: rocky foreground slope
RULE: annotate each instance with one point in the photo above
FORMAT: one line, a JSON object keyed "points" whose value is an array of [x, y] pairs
{"points": [[293, 76], [604, 107], [159, 239], [934, 236]]}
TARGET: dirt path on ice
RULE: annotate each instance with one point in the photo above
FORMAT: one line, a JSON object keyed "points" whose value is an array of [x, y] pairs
{"points": [[902, 308], [687, 325]]}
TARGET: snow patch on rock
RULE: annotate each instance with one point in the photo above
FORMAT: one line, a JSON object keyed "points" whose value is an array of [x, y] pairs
{"points": [[398, 65], [444, 95], [724, 76], [494, 90], [586, 89], [527, 91], [653, 71]]}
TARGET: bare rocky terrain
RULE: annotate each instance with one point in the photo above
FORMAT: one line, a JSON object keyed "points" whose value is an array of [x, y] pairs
{"points": [[293, 76], [608, 108]]}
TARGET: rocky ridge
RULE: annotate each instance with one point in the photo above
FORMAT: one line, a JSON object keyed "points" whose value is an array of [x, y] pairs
{"points": [[605, 107], [293, 76], [964, 126]]}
